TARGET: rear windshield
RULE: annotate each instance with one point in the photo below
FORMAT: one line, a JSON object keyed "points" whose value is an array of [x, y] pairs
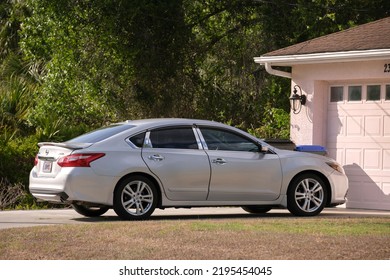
{"points": [[100, 134]]}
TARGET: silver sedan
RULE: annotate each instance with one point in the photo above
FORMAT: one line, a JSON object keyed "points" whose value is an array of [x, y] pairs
{"points": [[136, 166]]}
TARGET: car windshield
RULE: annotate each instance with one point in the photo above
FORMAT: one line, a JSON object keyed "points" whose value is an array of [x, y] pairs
{"points": [[100, 134]]}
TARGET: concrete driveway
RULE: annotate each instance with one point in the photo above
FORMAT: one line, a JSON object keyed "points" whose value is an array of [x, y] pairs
{"points": [[22, 218]]}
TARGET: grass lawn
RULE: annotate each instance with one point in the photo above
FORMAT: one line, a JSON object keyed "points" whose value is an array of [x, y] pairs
{"points": [[203, 239]]}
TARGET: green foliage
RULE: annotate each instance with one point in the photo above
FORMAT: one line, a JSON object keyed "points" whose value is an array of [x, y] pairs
{"points": [[12, 13], [14, 102], [17, 159], [69, 66], [277, 126], [10, 194], [81, 67]]}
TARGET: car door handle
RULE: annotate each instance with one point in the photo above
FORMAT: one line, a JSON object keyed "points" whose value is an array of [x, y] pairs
{"points": [[219, 161], [156, 157]]}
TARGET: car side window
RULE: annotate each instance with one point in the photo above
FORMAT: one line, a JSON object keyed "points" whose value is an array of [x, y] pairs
{"points": [[173, 138], [218, 139], [138, 140]]}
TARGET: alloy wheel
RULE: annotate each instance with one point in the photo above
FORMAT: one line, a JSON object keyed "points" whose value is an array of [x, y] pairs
{"points": [[135, 198], [309, 195]]}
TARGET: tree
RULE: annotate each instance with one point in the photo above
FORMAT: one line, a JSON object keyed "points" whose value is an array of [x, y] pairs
{"points": [[111, 60], [68, 66], [16, 76]]}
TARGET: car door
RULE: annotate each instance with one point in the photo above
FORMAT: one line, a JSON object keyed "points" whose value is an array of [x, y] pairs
{"points": [[176, 157], [240, 170]]}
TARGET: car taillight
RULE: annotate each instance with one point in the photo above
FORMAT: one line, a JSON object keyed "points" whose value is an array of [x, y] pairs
{"points": [[36, 160], [79, 160]]}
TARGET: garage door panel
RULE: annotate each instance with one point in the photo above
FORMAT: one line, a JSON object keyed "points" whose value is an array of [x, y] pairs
{"points": [[386, 188], [336, 126], [336, 154], [376, 193], [354, 126], [353, 156], [386, 126], [373, 125], [372, 159], [358, 136], [386, 160]]}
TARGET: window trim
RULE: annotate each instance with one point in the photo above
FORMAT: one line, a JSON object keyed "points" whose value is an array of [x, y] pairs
{"points": [[380, 93], [386, 86], [364, 94], [361, 93], [256, 143], [131, 144], [330, 94], [149, 145]]}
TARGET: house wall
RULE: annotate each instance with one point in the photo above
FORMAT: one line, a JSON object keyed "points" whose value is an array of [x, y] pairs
{"points": [[356, 134], [309, 126]]}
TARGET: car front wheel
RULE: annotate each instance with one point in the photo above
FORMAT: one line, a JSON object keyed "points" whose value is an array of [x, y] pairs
{"points": [[307, 195], [90, 211], [135, 198]]}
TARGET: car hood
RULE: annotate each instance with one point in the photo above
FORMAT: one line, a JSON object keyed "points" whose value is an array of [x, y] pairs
{"points": [[288, 154]]}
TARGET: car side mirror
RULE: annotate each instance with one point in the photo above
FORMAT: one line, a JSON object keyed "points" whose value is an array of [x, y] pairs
{"points": [[262, 149]]}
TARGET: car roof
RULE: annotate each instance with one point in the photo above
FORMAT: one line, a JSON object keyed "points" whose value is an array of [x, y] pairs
{"points": [[149, 123]]}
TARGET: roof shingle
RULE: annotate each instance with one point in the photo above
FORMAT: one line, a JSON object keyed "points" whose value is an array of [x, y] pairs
{"points": [[370, 36]]}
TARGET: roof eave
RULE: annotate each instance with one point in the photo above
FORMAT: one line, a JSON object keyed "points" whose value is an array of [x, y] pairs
{"points": [[329, 57]]}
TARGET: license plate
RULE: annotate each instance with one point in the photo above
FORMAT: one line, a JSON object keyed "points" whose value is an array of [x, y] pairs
{"points": [[47, 166]]}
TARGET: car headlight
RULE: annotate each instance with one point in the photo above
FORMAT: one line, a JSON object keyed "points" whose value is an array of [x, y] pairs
{"points": [[334, 165]]}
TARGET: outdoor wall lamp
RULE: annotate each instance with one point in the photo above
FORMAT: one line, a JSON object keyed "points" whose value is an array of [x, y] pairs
{"points": [[297, 100]]}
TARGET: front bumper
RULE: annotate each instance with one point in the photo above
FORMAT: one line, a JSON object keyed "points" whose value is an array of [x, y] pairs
{"points": [[339, 183]]}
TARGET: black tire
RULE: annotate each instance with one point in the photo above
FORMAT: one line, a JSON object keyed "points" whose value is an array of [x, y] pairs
{"points": [[90, 211], [135, 198], [256, 209], [307, 195]]}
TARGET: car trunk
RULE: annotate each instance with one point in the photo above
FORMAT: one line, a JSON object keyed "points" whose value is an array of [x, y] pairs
{"points": [[49, 154]]}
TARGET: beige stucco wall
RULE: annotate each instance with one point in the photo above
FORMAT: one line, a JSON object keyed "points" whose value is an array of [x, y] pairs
{"points": [[309, 126]]}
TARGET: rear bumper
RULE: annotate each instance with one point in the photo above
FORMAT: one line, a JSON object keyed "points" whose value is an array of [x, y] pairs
{"points": [[73, 184], [49, 195], [49, 189]]}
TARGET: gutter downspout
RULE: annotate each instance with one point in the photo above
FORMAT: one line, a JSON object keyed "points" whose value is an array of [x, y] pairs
{"points": [[269, 69]]}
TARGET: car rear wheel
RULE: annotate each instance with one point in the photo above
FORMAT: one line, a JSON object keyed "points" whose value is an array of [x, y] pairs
{"points": [[307, 195], [254, 209], [90, 211], [135, 198]]}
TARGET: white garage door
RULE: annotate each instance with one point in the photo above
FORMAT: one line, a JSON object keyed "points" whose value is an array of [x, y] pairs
{"points": [[358, 136]]}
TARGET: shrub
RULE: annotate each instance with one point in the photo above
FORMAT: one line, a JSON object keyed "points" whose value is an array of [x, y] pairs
{"points": [[17, 159], [277, 125], [10, 194]]}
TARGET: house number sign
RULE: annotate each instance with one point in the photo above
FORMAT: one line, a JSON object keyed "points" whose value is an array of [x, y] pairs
{"points": [[387, 68]]}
